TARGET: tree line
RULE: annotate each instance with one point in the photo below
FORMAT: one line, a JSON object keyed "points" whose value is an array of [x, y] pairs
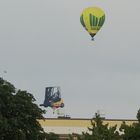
{"points": [[100, 131]]}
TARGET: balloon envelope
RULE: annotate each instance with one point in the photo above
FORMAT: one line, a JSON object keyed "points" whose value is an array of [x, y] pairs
{"points": [[53, 98], [92, 19]]}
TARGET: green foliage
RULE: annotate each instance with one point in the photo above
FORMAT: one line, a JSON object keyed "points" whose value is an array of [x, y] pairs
{"points": [[52, 136], [138, 116], [131, 132], [100, 131], [19, 114]]}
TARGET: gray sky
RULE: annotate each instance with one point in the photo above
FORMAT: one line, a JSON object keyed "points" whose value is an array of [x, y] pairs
{"points": [[42, 43]]}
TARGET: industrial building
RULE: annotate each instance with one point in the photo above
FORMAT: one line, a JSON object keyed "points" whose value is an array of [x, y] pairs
{"points": [[66, 126]]}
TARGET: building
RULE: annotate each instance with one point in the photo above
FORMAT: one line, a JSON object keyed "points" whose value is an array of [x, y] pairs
{"points": [[66, 126]]}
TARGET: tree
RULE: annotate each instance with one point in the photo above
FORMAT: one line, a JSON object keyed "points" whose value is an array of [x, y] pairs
{"points": [[100, 131], [52, 136], [138, 116], [19, 115], [131, 132]]}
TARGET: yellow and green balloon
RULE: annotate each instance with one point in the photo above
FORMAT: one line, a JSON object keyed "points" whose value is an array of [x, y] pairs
{"points": [[92, 19]]}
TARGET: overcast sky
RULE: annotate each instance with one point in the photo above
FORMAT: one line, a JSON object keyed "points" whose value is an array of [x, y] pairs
{"points": [[42, 43]]}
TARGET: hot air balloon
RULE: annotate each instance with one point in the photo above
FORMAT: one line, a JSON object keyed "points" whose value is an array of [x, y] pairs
{"points": [[53, 98], [92, 19]]}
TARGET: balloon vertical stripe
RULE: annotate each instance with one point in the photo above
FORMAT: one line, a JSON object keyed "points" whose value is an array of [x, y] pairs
{"points": [[82, 21]]}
